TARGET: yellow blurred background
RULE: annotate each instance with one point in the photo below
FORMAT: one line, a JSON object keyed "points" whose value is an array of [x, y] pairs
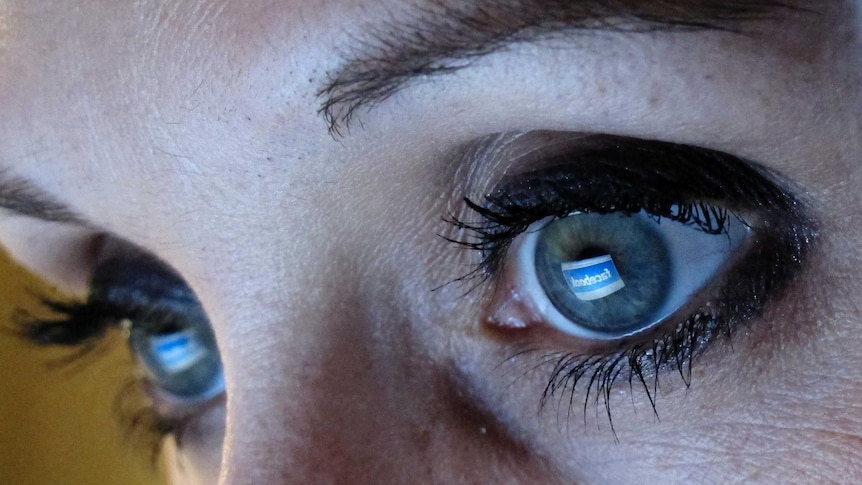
{"points": [[58, 425]]}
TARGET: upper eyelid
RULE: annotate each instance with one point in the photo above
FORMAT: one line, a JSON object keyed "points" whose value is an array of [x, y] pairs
{"points": [[61, 255], [483, 161], [728, 179], [510, 162]]}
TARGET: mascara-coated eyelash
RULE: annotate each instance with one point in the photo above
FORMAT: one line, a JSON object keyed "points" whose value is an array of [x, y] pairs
{"points": [[167, 331], [670, 183]]}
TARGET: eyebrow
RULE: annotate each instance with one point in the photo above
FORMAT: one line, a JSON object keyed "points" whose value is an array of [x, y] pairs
{"points": [[438, 38], [22, 197]]}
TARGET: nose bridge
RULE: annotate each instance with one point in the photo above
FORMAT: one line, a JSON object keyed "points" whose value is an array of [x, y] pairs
{"points": [[310, 400]]}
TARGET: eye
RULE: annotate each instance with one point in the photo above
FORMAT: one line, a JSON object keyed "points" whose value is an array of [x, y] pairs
{"points": [[607, 276], [642, 253], [181, 361], [167, 331]]}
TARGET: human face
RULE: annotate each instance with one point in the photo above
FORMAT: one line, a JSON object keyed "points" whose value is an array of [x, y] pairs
{"points": [[193, 132]]}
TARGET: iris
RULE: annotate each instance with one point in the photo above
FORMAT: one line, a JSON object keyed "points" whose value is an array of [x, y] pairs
{"points": [[638, 253], [607, 276], [183, 362]]}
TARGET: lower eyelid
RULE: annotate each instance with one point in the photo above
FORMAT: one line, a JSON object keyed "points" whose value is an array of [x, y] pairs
{"points": [[150, 417], [171, 408]]}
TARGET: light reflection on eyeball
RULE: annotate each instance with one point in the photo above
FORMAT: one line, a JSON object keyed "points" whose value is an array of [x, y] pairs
{"points": [[607, 276]]}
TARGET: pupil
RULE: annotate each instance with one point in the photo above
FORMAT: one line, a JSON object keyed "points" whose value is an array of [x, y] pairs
{"points": [[590, 252]]}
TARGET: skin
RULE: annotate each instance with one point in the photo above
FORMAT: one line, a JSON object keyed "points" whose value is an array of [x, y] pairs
{"points": [[192, 130]]}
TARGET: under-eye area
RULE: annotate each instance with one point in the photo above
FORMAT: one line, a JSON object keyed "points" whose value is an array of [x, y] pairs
{"points": [[621, 260], [167, 331]]}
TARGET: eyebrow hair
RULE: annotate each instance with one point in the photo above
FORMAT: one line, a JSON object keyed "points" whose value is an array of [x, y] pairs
{"points": [[22, 197], [438, 38]]}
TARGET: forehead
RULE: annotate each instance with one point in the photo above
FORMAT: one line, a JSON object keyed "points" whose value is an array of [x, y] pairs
{"points": [[219, 40]]}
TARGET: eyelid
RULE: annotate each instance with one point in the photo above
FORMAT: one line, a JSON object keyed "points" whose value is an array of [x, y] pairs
{"points": [[644, 175], [503, 161], [61, 254], [133, 291], [604, 174]]}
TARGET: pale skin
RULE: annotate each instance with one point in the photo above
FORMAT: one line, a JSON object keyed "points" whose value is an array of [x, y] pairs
{"points": [[192, 130]]}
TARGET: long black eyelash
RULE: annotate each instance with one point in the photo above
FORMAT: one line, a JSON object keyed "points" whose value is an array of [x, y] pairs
{"points": [[82, 327], [137, 287], [669, 181], [72, 324], [640, 365], [502, 220], [144, 427]]}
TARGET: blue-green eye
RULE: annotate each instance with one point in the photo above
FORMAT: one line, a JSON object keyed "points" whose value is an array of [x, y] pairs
{"points": [[183, 362], [606, 276], [168, 331]]}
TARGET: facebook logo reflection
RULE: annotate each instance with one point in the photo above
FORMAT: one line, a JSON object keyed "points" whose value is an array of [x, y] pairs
{"points": [[593, 278]]}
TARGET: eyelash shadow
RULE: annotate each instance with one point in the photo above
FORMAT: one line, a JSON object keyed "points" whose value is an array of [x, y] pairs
{"points": [[691, 185]]}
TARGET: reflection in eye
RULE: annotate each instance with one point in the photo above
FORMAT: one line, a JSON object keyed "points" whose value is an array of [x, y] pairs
{"points": [[168, 330], [183, 362], [612, 275], [168, 333], [643, 252]]}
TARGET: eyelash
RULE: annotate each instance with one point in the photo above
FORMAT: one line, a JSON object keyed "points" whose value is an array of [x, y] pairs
{"points": [[665, 190], [498, 229], [82, 327]]}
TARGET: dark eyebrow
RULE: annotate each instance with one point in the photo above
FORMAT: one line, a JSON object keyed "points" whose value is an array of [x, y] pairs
{"points": [[22, 197], [438, 38]]}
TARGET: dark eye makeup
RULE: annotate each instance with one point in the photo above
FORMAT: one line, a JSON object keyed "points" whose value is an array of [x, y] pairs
{"points": [[643, 252]]}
